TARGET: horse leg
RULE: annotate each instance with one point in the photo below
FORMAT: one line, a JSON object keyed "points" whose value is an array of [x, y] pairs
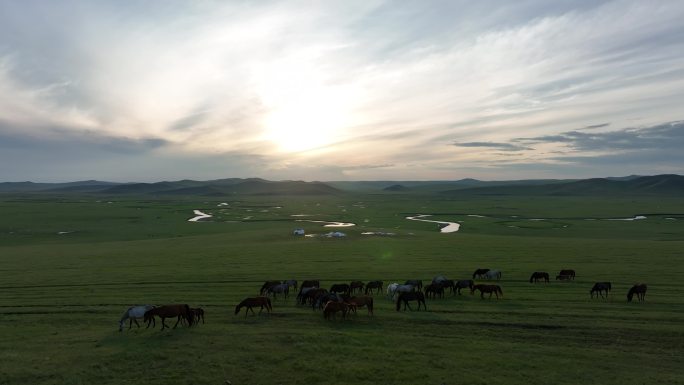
{"points": [[163, 323], [130, 323], [177, 321], [136, 323]]}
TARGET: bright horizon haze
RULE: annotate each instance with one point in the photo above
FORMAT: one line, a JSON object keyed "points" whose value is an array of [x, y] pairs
{"points": [[355, 90]]}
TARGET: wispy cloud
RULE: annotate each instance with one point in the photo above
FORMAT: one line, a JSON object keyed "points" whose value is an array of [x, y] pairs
{"points": [[498, 146]]}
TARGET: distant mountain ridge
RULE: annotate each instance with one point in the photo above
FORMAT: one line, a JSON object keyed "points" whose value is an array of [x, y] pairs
{"points": [[657, 184]]}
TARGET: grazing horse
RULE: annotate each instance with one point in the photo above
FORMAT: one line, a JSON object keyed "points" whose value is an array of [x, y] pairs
{"points": [[354, 286], [249, 303], [392, 289], [267, 285], [439, 279], [132, 314], [282, 288], [599, 288], [493, 274], [448, 284], [403, 289], [569, 272], [640, 290], [563, 277], [539, 275], [373, 285], [462, 284], [198, 314], [321, 300], [311, 283], [292, 283], [491, 289], [312, 295], [169, 311], [340, 288], [479, 273], [417, 283], [411, 296], [332, 307], [434, 290], [361, 301]]}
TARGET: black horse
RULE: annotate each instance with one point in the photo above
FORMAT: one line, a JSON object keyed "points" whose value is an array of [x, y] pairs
{"points": [[340, 288], [480, 273], [412, 296], [462, 284], [640, 290], [599, 288], [373, 285], [539, 275]]}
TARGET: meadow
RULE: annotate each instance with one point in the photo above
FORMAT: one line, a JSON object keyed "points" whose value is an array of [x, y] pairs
{"points": [[71, 264]]}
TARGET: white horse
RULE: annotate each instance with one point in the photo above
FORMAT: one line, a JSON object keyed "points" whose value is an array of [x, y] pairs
{"points": [[391, 289], [493, 274], [132, 314]]}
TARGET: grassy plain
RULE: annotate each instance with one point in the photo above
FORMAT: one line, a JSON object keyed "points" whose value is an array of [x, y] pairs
{"points": [[61, 295]]}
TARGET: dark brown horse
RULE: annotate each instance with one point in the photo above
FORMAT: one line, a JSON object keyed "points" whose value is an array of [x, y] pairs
{"points": [[312, 295], [640, 290], [249, 303], [373, 285], [539, 275], [462, 284], [491, 289], [599, 288], [569, 272], [411, 296], [332, 307], [354, 286], [169, 311], [434, 290], [480, 273], [563, 277], [340, 288], [361, 301], [311, 283]]}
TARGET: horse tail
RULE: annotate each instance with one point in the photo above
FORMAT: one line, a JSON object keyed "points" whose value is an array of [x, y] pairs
{"points": [[531, 277], [609, 287], [399, 302], [498, 288], [268, 304]]}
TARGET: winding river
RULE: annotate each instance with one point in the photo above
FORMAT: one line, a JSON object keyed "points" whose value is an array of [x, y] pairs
{"points": [[450, 227]]}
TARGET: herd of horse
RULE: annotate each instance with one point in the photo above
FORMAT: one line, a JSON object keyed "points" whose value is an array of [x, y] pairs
{"points": [[346, 298]]}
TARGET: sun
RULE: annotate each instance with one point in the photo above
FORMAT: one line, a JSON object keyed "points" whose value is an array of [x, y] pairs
{"points": [[304, 124], [305, 112]]}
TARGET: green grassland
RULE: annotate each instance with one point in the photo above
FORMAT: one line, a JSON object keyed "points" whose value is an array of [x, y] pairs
{"points": [[61, 295]]}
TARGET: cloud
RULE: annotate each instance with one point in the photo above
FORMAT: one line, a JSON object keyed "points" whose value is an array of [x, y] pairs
{"points": [[659, 137], [498, 146], [372, 83]]}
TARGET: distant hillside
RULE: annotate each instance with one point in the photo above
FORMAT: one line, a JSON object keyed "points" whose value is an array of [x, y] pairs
{"points": [[652, 185], [396, 187]]}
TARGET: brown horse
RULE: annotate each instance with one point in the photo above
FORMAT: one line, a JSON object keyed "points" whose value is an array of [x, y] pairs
{"points": [[411, 296], [491, 289], [569, 272], [168, 311], [564, 277], [539, 275], [332, 307], [354, 286], [249, 303], [361, 301], [373, 285], [640, 290]]}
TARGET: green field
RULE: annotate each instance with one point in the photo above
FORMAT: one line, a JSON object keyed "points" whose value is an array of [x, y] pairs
{"points": [[70, 265]]}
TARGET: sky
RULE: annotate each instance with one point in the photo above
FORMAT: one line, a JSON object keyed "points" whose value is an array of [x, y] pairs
{"points": [[143, 91]]}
